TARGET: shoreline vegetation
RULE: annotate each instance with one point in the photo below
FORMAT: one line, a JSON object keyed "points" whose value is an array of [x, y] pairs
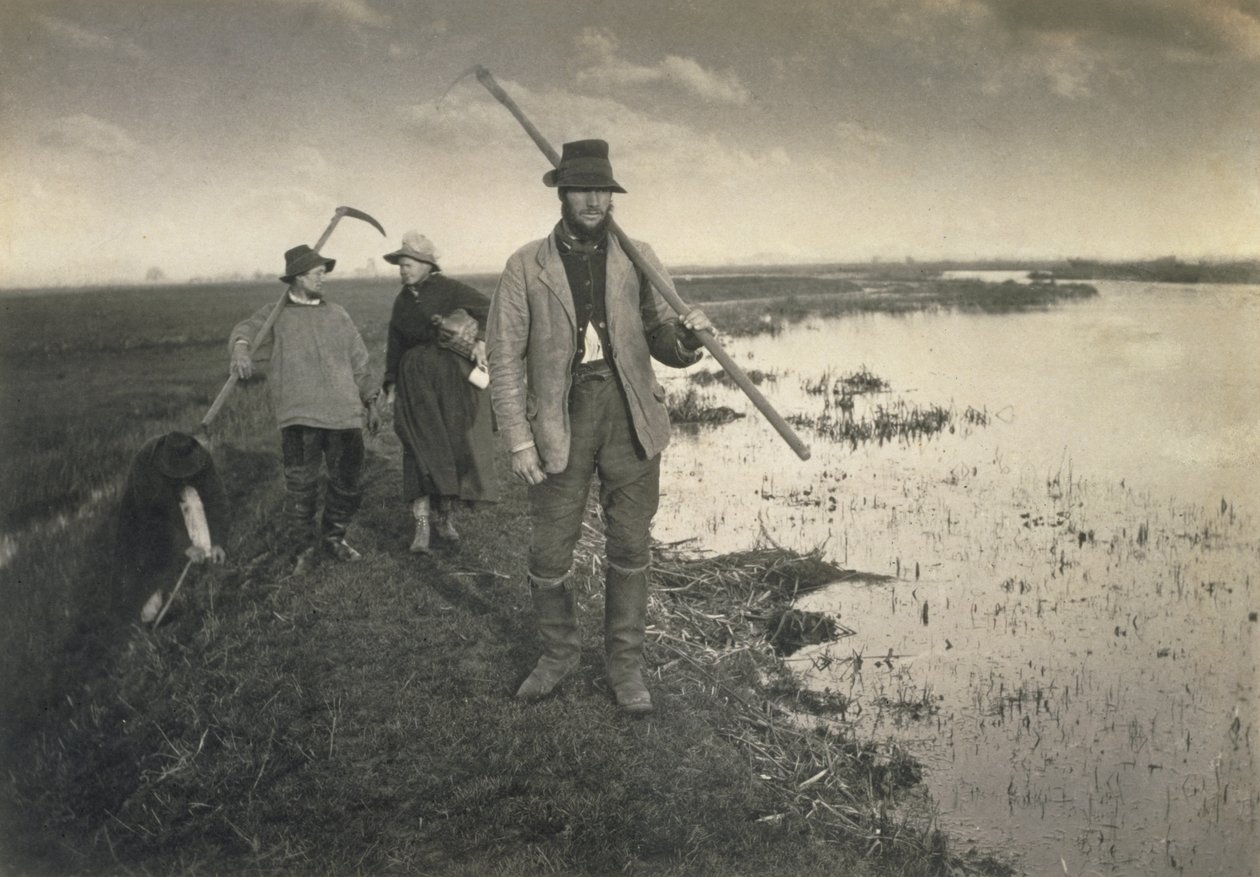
{"points": [[1167, 269], [359, 720]]}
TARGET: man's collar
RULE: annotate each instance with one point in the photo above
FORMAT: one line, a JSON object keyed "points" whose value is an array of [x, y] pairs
{"points": [[302, 301], [568, 244]]}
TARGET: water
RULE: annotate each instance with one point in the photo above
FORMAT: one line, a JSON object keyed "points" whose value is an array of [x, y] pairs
{"points": [[991, 276], [1071, 623]]}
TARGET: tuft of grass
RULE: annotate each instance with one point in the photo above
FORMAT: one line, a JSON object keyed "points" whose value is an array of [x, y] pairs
{"points": [[898, 422], [693, 408], [860, 382], [704, 378]]}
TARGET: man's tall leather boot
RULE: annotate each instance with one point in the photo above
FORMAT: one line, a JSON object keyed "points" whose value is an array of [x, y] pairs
{"points": [[556, 611], [625, 618]]}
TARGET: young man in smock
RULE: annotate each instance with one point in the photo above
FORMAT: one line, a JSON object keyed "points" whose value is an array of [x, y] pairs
{"points": [[323, 395]]}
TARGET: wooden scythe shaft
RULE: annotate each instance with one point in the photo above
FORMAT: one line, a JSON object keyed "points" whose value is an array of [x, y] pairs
{"points": [[658, 280], [232, 380]]}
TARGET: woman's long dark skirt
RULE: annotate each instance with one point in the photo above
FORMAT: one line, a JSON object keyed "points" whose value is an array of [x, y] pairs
{"points": [[446, 428]]}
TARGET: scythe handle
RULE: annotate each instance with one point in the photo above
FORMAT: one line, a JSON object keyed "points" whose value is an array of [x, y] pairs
{"points": [[658, 280], [711, 344], [232, 380], [484, 77], [174, 591]]}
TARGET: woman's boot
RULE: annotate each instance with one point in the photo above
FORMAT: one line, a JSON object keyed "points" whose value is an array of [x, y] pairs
{"points": [[420, 511], [443, 527], [556, 611], [625, 618]]}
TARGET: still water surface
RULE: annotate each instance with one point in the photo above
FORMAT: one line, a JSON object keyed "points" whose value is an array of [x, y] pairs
{"points": [[1073, 585]]}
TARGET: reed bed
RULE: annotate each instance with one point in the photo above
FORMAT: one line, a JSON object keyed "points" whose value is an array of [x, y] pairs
{"points": [[721, 625], [705, 378], [901, 422], [693, 407], [781, 306], [728, 618], [856, 383]]}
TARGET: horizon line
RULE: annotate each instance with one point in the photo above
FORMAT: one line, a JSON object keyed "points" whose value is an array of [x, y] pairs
{"points": [[680, 267]]}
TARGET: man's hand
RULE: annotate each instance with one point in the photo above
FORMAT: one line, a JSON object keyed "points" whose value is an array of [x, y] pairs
{"points": [[527, 466], [695, 320], [241, 366], [373, 417]]}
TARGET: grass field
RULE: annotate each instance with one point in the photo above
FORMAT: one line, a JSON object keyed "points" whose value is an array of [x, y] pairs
{"points": [[359, 721]]}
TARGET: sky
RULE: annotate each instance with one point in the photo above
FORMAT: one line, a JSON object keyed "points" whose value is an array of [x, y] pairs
{"points": [[203, 138]]}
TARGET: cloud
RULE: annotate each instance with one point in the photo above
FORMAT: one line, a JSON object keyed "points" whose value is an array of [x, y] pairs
{"points": [[79, 37], [309, 162], [356, 12], [650, 153], [855, 135], [604, 69], [82, 133], [1210, 28], [970, 43]]}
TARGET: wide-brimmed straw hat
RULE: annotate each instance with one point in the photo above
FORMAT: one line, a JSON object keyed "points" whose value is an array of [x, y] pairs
{"points": [[301, 259], [179, 455], [583, 164], [415, 246]]}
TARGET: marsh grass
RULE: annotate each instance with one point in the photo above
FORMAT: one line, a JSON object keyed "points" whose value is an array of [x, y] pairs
{"points": [[692, 407], [860, 382], [898, 421], [704, 378], [744, 315]]}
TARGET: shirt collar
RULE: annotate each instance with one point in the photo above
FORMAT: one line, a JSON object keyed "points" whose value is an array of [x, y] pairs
{"points": [[569, 245], [297, 301]]}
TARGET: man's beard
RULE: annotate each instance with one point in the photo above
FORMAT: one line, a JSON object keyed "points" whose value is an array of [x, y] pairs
{"points": [[580, 231]]}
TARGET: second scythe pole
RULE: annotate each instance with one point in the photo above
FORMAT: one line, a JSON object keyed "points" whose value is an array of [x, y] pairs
{"points": [[661, 283]]}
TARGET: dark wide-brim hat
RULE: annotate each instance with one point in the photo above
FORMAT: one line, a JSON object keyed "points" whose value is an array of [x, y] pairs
{"points": [[583, 164], [179, 455], [301, 259]]}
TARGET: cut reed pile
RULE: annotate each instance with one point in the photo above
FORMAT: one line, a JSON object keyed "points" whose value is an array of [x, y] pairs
{"points": [[721, 625]]}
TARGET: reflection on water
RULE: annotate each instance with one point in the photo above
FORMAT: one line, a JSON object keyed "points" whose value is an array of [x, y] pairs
{"points": [[1072, 630]]}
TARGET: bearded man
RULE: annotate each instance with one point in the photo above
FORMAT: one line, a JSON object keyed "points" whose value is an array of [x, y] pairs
{"points": [[572, 330]]}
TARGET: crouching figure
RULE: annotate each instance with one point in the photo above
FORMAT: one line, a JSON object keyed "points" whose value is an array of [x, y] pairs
{"points": [[173, 511]]}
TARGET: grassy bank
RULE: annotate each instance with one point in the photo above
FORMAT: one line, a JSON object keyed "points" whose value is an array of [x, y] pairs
{"points": [[359, 720]]}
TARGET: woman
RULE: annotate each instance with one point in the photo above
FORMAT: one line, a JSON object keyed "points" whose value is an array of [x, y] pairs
{"points": [[442, 418]]}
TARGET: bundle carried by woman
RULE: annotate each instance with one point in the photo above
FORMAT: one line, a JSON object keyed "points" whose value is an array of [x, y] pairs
{"points": [[457, 331]]}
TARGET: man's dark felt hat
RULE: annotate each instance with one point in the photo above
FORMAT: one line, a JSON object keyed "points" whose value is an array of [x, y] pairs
{"points": [[583, 164], [301, 259], [179, 455]]}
